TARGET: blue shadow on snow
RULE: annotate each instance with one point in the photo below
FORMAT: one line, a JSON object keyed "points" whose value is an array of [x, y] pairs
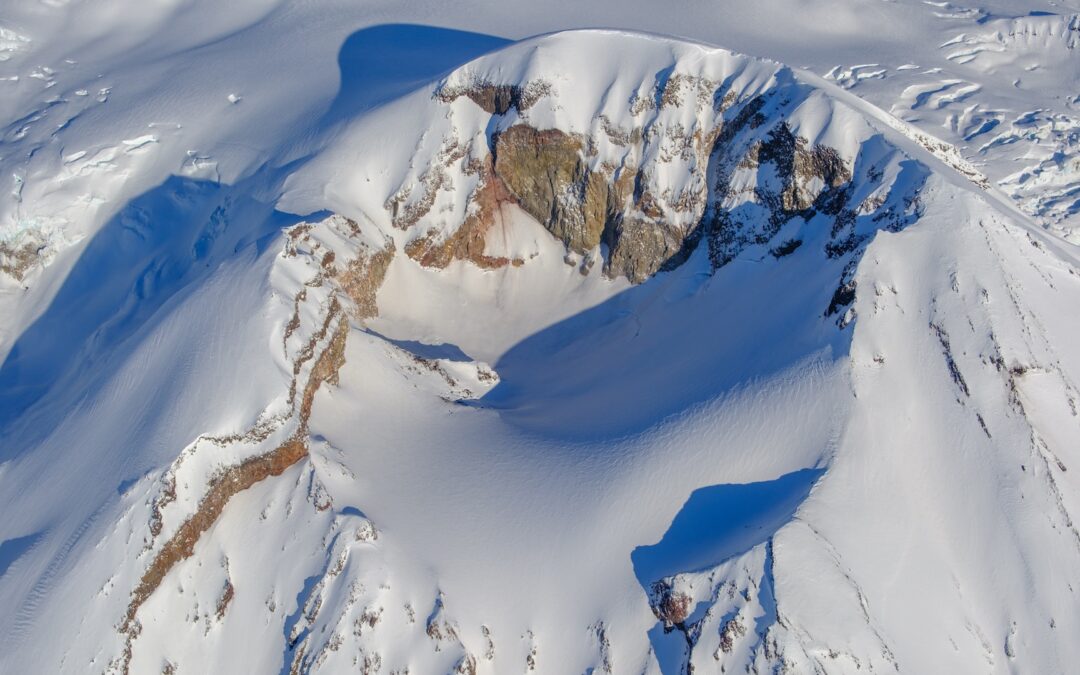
{"points": [[722, 521], [161, 242], [381, 63], [715, 524]]}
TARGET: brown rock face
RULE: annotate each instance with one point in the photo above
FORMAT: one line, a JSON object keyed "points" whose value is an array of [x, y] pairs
{"points": [[182, 544], [645, 224], [468, 241], [362, 278], [546, 174], [16, 261], [672, 607], [644, 247], [496, 99]]}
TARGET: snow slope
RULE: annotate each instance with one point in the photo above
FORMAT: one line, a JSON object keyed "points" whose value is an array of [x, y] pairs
{"points": [[297, 426]]}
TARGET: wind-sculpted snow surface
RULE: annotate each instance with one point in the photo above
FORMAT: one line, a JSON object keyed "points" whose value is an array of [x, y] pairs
{"points": [[1004, 92], [601, 352]]}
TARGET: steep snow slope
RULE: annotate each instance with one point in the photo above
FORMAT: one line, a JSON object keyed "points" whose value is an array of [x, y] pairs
{"points": [[619, 353]]}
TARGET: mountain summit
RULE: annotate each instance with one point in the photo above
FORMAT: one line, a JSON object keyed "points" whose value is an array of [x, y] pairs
{"points": [[597, 351]]}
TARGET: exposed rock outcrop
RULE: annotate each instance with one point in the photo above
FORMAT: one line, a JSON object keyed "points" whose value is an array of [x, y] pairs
{"points": [[17, 259], [497, 99], [745, 175], [546, 173], [467, 242], [362, 277], [670, 605], [356, 281]]}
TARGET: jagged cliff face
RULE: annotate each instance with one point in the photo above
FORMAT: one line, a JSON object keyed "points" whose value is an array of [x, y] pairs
{"points": [[688, 159], [658, 365]]}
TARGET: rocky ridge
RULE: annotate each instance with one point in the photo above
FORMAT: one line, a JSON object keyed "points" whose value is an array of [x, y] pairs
{"points": [[688, 160]]}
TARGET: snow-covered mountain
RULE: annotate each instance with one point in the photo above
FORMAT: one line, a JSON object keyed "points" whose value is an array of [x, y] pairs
{"points": [[334, 344]]}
